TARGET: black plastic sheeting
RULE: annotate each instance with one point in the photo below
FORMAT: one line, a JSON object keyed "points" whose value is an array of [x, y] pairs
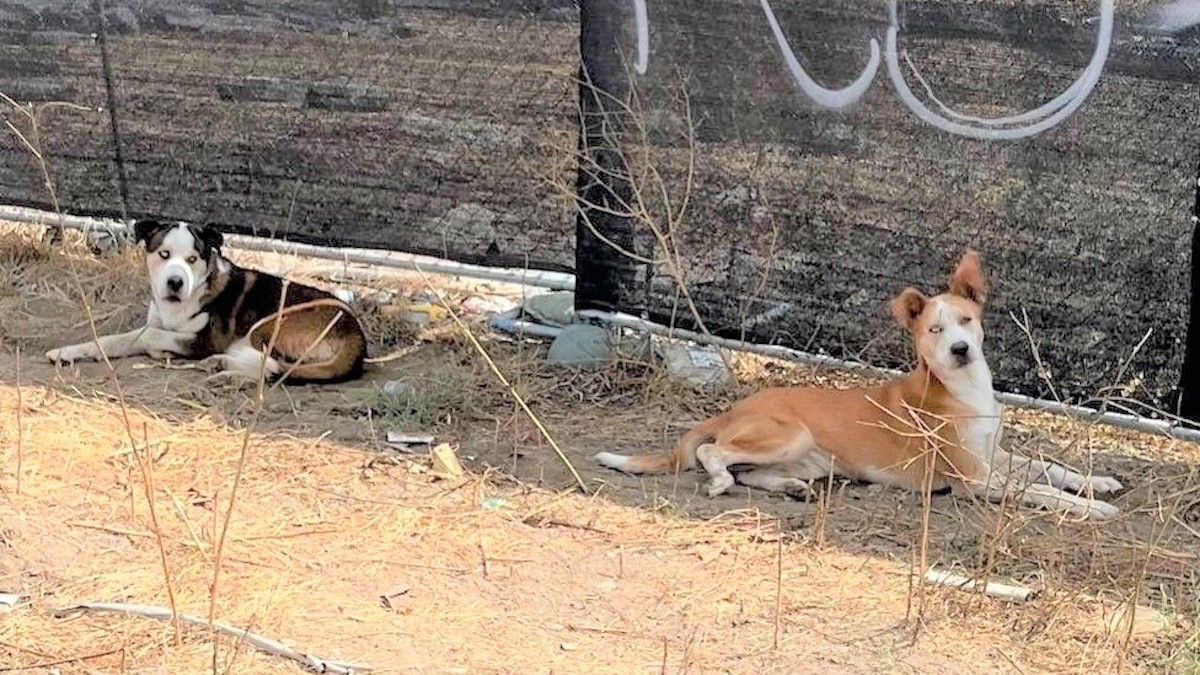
{"points": [[439, 128], [801, 223], [451, 128]]}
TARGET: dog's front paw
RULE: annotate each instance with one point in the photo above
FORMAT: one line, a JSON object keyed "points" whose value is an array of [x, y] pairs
{"points": [[1104, 484], [1099, 510], [212, 364], [801, 491], [719, 484], [68, 354]]}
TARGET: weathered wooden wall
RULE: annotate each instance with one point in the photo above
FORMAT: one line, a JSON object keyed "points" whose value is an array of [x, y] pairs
{"points": [[1086, 227]]}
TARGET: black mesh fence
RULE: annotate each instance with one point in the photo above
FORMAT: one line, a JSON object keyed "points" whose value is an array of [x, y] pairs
{"points": [[369, 123], [452, 128], [793, 223]]}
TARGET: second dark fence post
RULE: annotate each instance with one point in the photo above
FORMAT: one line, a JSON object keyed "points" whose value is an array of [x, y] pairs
{"points": [[604, 277]]}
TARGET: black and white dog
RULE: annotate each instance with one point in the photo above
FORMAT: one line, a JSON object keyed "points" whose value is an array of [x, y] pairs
{"points": [[203, 306]]}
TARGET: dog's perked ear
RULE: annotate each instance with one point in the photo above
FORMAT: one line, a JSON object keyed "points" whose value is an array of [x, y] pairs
{"points": [[968, 280], [211, 236], [144, 230], [907, 306]]}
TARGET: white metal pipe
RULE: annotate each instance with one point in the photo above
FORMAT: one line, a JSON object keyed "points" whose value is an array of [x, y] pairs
{"points": [[540, 278]]}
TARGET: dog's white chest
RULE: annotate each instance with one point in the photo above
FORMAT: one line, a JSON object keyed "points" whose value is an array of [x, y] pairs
{"points": [[980, 433], [180, 317]]}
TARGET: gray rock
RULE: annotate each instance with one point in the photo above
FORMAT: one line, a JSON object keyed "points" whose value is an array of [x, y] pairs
{"points": [[552, 309], [580, 344]]}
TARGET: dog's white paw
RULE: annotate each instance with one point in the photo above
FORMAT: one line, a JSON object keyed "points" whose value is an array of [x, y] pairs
{"points": [[1098, 510], [68, 354], [1104, 484], [719, 484], [212, 364]]}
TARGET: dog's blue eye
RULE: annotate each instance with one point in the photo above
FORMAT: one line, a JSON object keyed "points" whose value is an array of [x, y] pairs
{"points": [[935, 329], [164, 254], [191, 259]]}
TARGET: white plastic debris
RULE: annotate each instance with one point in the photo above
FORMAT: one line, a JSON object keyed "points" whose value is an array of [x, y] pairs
{"points": [[403, 441], [699, 366]]}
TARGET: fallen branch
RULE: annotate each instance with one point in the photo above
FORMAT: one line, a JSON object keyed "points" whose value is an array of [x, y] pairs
{"points": [[268, 645], [994, 589]]}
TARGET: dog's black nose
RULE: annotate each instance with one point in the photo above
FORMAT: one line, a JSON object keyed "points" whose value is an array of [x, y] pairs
{"points": [[174, 284], [960, 348]]}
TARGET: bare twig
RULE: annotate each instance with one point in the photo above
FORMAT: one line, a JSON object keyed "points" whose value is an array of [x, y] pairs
{"points": [[267, 645], [58, 662], [20, 426], [146, 465], [33, 144], [237, 475], [778, 587]]}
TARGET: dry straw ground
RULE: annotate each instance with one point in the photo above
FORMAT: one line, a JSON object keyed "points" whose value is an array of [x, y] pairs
{"points": [[114, 486]]}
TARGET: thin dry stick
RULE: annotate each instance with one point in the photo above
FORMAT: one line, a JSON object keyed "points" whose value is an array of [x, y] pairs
{"points": [[516, 396], [778, 587], [47, 665], [220, 628], [20, 426], [1002, 518], [926, 507], [237, 479], [34, 146], [146, 465]]}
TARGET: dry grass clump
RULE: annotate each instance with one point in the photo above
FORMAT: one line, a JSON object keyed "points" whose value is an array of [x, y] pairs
{"points": [[40, 300]]}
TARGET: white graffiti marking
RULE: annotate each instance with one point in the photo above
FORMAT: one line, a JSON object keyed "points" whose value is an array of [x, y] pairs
{"points": [[641, 19], [1171, 17], [833, 99], [1047, 115]]}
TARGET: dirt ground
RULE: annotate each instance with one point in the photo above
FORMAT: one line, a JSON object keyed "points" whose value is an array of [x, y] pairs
{"points": [[115, 486]]}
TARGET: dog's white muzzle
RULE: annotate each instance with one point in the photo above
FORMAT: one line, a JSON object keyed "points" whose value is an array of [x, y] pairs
{"points": [[177, 280]]}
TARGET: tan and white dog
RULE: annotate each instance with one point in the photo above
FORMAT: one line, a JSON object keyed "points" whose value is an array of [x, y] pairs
{"points": [[885, 434]]}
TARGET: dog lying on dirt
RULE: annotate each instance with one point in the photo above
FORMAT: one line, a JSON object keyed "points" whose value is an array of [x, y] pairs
{"points": [[205, 307], [885, 434]]}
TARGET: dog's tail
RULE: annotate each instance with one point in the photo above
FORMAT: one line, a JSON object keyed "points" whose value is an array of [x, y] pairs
{"points": [[680, 458]]}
